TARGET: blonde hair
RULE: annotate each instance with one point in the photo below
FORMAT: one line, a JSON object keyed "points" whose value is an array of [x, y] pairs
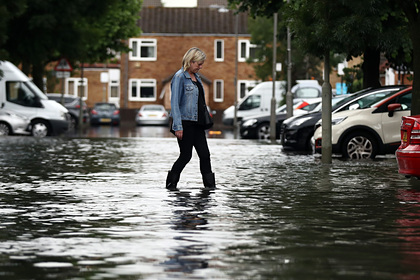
{"points": [[193, 54]]}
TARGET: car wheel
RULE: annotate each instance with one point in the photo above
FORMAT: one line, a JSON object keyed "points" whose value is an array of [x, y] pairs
{"points": [[4, 129], [73, 122], [40, 129], [359, 145], [263, 131]]}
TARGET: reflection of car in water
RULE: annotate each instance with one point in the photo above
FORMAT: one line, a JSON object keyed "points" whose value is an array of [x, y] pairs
{"points": [[11, 123], [408, 153], [105, 113]]}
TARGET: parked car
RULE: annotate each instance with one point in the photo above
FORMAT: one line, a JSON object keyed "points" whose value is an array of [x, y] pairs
{"points": [[11, 123], [19, 95], [369, 131], [152, 114], [258, 127], [105, 113], [258, 100], [408, 153], [297, 131], [72, 103]]}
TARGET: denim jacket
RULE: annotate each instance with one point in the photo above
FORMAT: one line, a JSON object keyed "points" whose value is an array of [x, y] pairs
{"points": [[184, 99]]}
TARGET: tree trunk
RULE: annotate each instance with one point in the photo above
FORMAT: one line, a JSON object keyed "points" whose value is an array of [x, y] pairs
{"points": [[370, 68], [37, 75]]}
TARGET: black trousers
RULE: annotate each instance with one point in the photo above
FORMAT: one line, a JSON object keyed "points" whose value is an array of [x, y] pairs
{"points": [[194, 135]]}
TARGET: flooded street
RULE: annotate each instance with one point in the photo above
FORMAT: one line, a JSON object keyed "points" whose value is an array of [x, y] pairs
{"points": [[95, 207]]}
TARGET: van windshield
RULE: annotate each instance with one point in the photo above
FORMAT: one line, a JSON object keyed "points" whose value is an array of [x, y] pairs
{"points": [[24, 93], [251, 102]]}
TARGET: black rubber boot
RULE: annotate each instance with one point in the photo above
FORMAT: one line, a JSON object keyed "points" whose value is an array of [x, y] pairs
{"points": [[172, 180], [209, 181]]}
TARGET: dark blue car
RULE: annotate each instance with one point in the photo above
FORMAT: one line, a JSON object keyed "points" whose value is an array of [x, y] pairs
{"points": [[105, 113]]}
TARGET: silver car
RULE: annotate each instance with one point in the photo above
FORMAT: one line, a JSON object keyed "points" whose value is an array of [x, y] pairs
{"points": [[11, 123], [152, 114]]}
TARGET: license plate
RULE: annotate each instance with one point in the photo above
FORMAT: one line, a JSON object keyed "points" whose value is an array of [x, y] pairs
{"points": [[404, 138], [153, 115], [105, 120]]}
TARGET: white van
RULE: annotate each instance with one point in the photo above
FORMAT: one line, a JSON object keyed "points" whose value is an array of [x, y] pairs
{"points": [[258, 100], [18, 94]]}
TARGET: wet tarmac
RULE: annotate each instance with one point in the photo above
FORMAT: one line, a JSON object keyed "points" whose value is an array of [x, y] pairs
{"points": [[94, 206]]}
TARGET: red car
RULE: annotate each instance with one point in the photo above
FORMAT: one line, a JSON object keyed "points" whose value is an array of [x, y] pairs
{"points": [[408, 153]]}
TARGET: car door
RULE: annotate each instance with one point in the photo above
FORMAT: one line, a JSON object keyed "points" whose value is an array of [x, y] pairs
{"points": [[391, 124]]}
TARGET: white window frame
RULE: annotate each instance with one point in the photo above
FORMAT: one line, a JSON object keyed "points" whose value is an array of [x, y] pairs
{"points": [[76, 83], [114, 82], [247, 84], [140, 83], [215, 93], [248, 47], [222, 50], [142, 43]]}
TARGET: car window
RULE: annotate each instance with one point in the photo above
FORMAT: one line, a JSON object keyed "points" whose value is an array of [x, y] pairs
{"points": [[306, 93], [405, 101], [251, 102], [21, 93], [310, 107], [152, 108], [105, 107], [369, 100]]}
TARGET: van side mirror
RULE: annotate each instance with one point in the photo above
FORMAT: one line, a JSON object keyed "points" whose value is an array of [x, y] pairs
{"points": [[393, 107]]}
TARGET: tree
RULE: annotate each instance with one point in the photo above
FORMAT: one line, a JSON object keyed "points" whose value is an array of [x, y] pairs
{"points": [[412, 11], [351, 27], [305, 66], [81, 30]]}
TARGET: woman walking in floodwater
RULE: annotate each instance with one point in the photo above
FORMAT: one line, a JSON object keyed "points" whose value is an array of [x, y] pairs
{"points": [[188, 109]]}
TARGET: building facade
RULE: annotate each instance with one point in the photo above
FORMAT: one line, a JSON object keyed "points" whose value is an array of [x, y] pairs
{"points": [[143, 75]]}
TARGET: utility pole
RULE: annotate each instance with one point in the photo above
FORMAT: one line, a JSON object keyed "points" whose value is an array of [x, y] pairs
{"points": [[289, 97], [273, 98], [235, 104], [326, 113]]}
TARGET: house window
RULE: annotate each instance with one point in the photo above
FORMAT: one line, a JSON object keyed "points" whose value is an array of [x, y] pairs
{"points": [[218, 90], [114, 85], [244, 87], [219, 50], [77, 87], [142, 90], [246, 50], [143, 49]]}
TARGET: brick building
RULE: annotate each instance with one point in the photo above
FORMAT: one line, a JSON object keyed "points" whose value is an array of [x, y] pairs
{"points": [[143, 75]]}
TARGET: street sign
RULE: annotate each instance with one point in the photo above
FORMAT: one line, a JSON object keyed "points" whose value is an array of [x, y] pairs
{"points": [[63, 65], [62, 74]]}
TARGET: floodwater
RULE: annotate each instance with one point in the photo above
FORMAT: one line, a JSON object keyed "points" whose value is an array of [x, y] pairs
{"points": [[96, 208]]}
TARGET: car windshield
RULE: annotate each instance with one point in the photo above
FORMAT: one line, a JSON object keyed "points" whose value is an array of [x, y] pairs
{"points": [[335, 102], [368, 100], [311, 107]]}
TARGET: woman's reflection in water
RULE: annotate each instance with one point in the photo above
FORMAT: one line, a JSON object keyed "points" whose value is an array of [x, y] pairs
{"points": [[189, 219]]}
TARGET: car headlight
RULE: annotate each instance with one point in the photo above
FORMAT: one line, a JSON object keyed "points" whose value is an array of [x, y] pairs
{"points": [[250, 122], [299, 121], [333, 121], [338, 120]]}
